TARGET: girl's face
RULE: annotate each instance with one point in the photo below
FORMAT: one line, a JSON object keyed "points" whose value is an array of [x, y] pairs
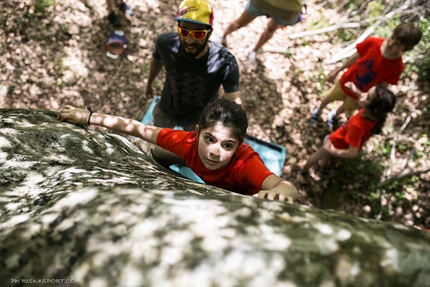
{"points": [[216, 146]]}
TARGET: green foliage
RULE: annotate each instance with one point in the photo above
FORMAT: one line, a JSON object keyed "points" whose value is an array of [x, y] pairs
{"points": [[41, 5], [59, 63], [418, 155], [360, 167], [382, 147], [421, 53], [352, 4], [24, 19], [345, 35], [288, 52], [402, 146], [365, 189], [397, 194], [315, 23], [374, 9], [64, 28]]}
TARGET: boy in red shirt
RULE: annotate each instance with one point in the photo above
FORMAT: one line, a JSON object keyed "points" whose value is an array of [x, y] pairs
{"points": [[378, 61]]}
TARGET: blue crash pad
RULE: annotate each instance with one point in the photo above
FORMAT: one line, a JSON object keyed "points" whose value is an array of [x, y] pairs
{"points": [[272, 154]]}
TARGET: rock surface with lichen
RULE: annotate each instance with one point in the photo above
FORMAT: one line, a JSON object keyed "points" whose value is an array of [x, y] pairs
{"points": [[90, 208]]}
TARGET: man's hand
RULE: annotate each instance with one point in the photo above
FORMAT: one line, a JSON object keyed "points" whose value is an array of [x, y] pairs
{"points": [[155, 67], [73, 115], [149, 91]]}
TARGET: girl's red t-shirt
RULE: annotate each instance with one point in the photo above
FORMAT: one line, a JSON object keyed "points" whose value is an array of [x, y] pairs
{"points": [[245, 173], [355, 132]]}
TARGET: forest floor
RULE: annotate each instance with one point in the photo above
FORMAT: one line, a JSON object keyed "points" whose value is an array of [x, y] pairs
{"points": [[55, 56]]}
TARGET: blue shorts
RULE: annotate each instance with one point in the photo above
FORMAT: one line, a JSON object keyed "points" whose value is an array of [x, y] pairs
{"points": [[254, 11]]}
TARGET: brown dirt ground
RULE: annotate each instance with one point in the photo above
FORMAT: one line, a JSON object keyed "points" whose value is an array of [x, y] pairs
{"points": [[58, 58]]}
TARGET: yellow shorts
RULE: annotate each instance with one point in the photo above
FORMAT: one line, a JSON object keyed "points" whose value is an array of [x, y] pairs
{"points": [[336, 94]]}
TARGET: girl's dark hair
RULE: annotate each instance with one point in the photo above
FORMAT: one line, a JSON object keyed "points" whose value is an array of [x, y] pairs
{"points": [[228, 113], [383, 103]]}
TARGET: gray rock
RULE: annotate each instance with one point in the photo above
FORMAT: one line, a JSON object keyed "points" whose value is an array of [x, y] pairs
{"points": [[90, 208]]}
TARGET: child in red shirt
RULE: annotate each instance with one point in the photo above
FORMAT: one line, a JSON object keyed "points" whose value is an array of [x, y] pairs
{"points": [[215, 151], [348, 139], [378, 61]]}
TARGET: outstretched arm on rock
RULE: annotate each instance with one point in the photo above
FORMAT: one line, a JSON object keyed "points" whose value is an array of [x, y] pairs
{"points": [[119, 124]]}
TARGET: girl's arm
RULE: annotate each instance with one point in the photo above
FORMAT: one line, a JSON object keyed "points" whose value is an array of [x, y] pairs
{"points": [[362, 96], [275, 187], [353, 88], [351, 152], [119, 124]]}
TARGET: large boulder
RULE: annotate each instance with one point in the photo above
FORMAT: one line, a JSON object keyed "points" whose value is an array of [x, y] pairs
{"points": [[88, 208]]}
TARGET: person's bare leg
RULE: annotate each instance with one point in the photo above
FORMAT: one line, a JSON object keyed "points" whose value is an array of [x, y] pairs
{"points": [[325, 159], [240, 22], [325, 101], [320, 154], [271, 28], [112, 16], [316, 113], [110, 5], [340, 110]]}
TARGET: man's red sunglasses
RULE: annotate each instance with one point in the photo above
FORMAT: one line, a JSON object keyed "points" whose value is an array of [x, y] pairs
{"points": [[196, 34]]}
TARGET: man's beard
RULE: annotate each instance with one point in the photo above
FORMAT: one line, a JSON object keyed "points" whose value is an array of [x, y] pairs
{"points": [[200, 47]]}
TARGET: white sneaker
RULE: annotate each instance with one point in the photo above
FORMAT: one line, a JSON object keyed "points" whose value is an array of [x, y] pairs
{"points": [[252, 60], [332, 120]]}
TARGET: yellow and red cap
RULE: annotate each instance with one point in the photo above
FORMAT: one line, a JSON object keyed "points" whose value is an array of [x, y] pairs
{"points": [[196, 11]]}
